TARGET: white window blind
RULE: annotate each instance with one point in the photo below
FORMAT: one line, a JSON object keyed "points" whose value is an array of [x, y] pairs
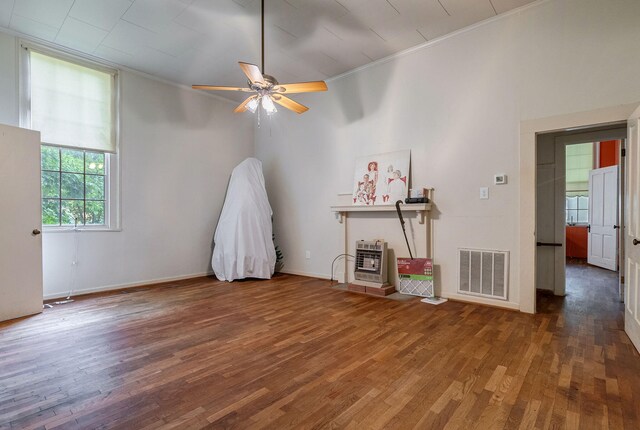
{"points": [[72, 105], [579, 162]]}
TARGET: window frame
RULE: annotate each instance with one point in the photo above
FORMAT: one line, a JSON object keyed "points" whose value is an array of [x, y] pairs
{"points": [[85, 174], [578, 208], [583, 192], [112, 160]]}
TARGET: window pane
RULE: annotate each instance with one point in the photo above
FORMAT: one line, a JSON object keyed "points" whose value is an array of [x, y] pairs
{"points": [[95, 187], [94, 163], [583, 216], [572, 202], [72, 161], [50, 184], [50, 212], [95, 213], [583, 202], [50, 158], [72, 186], [72, 210], [572, 216]]}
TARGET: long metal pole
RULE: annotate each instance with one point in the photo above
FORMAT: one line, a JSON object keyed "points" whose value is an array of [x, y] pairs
{"points": [[262, 32]]}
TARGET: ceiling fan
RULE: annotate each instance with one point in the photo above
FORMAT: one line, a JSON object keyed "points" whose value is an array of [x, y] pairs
{"points": [[268, 90]]}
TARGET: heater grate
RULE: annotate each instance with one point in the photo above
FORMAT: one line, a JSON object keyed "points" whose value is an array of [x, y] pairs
{"points": [[370, 262]]}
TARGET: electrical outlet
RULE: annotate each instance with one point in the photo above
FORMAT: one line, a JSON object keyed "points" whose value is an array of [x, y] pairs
{"points": [[307, 254], [484, 193]]}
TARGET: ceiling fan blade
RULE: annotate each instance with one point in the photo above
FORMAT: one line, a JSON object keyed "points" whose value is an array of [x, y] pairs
{"points": [[302, 87], [253, 73], [242, 107], [214, 88], [289, 104]]}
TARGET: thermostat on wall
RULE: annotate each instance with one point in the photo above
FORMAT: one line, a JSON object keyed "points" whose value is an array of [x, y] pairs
{"points": [[500, 179]]}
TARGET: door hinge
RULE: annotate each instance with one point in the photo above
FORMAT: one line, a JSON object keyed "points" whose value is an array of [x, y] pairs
{"points": [[623, 152]]}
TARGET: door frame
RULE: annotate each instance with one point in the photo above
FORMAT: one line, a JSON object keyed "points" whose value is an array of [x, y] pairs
{"points": [[527, 206], [560, 140]]}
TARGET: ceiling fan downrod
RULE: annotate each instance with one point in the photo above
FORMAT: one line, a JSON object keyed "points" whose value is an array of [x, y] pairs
{"points": [[262, 33]]}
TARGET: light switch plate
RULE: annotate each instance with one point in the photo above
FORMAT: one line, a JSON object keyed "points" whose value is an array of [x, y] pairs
{"points": [[484, 193]]}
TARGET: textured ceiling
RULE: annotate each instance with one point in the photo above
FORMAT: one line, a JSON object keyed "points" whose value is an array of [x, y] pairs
{"points": [[201, 41]]}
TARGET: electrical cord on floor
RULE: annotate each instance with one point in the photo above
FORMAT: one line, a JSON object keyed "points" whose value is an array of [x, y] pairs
{"points": [[334, 261]]}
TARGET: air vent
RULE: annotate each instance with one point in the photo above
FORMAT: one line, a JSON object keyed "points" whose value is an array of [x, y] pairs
{"points": [[483, 273]]}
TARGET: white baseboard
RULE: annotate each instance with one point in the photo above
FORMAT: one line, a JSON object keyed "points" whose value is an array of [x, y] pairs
{"points": [[307, 274], [481, 301], [457, 297], [126, 285], [452, 296]]}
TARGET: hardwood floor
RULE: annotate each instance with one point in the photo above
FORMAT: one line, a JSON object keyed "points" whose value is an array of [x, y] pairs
{"points": [[294, 353]]}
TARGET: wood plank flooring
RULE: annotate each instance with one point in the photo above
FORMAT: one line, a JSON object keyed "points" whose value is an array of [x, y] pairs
{"points": [[294, 353]]}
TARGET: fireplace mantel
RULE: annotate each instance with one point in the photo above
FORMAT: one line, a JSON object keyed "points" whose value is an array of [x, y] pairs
{"points": [[420, 209]]}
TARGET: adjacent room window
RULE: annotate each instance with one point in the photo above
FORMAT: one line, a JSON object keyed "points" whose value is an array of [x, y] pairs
{"points": [[579, 162], [72, 104]]}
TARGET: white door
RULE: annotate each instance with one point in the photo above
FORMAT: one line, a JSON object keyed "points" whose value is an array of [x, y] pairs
{"points": [[603, 218], [632, 231], [20, 223]]}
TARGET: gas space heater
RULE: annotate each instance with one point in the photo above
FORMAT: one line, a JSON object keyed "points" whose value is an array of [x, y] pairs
{"points": [[371, 262]]}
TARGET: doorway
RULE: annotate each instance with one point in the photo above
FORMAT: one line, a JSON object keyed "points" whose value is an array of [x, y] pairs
{"points": [[578, 209]]}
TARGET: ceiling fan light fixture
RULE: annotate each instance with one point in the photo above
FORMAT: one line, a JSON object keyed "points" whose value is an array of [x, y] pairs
{"points": [[253, 104], [268, 106], [267, 89]]}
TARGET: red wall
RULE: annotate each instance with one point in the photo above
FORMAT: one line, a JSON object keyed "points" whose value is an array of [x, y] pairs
{"points": [[577, 236], [609, 153], [577, 241]]}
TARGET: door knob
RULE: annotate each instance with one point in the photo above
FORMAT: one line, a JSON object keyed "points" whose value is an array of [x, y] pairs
{"points": [[636, 241], [35, 232], [616, 226]]}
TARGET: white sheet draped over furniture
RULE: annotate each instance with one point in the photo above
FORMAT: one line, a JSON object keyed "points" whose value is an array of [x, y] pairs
{"points": [[243, 240]]}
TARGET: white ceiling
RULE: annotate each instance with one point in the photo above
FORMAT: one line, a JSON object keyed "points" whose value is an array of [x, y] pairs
{"points": [[201, 41]]}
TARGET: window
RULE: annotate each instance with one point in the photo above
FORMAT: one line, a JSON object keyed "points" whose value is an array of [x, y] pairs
{"points": [[73, 104], [577, 209], [73, 187], [579, 162]]}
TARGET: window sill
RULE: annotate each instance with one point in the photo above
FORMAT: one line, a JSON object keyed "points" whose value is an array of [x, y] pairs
{"points": [[47, 230]]}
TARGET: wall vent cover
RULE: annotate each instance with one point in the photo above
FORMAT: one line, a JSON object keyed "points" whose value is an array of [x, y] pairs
{"points": [[483, 272]]}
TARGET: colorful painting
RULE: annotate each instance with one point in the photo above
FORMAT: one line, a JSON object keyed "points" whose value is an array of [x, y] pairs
{"points": [[381, 179]]}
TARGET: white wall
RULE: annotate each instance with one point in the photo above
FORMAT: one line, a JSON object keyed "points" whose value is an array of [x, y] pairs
{"points": [[8, 81], [177, 150], [457, 104]]}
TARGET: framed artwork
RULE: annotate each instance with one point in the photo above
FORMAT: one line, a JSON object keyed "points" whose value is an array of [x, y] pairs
{"points": [[381, 179]]}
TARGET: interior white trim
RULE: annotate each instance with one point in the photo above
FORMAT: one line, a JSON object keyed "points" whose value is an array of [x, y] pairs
{"points": [[527, 216], [475, 300], [113, 211], [307, 274], [126, 285]]}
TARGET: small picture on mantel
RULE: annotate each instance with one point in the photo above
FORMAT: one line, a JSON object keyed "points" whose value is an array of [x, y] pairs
{"points": [[381, 179]]}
